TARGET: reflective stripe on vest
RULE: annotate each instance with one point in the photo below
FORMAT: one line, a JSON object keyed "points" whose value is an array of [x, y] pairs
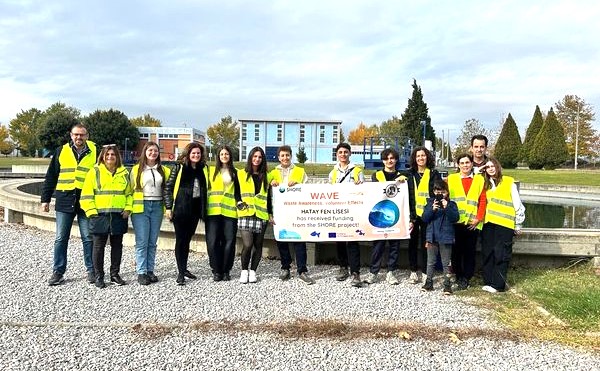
{"points": [[104, 192], [467, 204], [220, 201], [72, 175], [257, 203], [500, 209], [422, 192]]}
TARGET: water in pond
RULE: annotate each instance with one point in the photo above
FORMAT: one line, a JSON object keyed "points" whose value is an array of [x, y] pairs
{"points": [[543, 215]]}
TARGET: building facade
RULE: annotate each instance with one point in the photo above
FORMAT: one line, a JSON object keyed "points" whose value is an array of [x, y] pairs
{"points": [[171, 140], [317, 137]]}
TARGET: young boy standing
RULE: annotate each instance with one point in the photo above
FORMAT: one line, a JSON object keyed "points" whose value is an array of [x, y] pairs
{"points": [[440, 214], [286, 174], [347, 252]]}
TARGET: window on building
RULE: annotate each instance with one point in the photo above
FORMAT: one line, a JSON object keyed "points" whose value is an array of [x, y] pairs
{"points": [[256, 132], [244, 132], [333, 155], [335, 133], [244, 152], [322, 134]]}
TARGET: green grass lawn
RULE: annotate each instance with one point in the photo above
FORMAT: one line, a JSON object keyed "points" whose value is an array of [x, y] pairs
{"points": [[560, 304]]}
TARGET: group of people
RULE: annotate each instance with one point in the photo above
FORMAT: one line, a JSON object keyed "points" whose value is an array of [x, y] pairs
{"points": [[92, 184]]}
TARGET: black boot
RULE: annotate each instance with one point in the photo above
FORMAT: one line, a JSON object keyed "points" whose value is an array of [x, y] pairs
{"points": [[428, 286], [447, 286], [100, 282]]}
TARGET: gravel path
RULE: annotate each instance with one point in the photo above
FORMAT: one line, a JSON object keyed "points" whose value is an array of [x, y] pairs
{"points": [[227, 325]]}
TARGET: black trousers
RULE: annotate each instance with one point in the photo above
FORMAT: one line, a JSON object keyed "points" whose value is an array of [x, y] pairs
{"points": [[463, 252], [417, 254], [185, 229], [379, 251], [221, 234], [116, 252], [349, 252], [496, 252]]}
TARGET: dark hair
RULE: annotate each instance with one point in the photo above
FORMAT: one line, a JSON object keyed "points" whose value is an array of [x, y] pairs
{"points": [[107, 148], [184, 157], [497, 177], [343, 145], [413, 158], [79, 125], [479, 137], [440, 185], [142, 162], [284, 148], [463, 155], [219, 164], [262, 168], [389, 151]]}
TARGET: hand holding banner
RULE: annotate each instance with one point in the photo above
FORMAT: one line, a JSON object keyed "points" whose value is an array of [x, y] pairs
{"points": [[341, 212]]}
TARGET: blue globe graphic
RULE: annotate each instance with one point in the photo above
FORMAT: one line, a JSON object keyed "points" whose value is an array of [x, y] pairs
{"points": [[384, 214]]}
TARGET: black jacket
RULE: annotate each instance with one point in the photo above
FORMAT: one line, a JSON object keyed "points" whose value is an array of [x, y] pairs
{"points": [[66, 201], [182, 207]]}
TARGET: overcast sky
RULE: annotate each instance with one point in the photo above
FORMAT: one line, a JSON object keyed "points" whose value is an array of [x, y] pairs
{"points": [[194, 62]]}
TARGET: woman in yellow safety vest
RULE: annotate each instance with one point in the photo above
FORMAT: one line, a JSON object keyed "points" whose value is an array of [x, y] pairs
{"points": [[466, 189], [185, 202], [421, 177], [106, 199], [503, 218], [148, 179], [221, 220], [255, 212]]}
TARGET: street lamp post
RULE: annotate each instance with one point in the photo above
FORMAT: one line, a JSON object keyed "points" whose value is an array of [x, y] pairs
{"points": [[126, 157], [424, 123], [576, 135]]}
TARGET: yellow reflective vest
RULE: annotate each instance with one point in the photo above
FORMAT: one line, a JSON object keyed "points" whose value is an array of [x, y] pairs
{"points": [[467, 204], [72, 175], [422, 192], [104, 192], [221, 200], [138, 195], [500, 208], [257, 203], [355, 174], [296, 175]]}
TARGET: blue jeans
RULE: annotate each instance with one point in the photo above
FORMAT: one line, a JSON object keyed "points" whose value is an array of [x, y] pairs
{"points": [[147, 227], [64, 222]]}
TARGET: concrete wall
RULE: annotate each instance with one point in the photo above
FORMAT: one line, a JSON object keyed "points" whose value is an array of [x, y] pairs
{"points": [[533, 247]]}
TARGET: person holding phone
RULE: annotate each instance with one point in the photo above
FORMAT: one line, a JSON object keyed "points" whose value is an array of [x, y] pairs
{"points": [[440, 214]]}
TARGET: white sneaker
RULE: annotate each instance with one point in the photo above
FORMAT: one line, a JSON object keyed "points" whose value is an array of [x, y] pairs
{"points": [[244, 276], [252, 276], [422, 277], [489, 289], [391, 279], [371, 278], [413, 278]]}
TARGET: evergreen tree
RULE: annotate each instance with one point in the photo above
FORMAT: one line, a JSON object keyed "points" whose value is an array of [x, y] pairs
{"points": [[415, 113], [55, 131], [112, 126], [508, 146], [549, 148], [301, 156], [537, 121]]}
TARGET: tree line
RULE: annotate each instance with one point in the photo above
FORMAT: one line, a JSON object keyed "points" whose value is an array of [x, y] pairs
{"points": [[34, 132]]}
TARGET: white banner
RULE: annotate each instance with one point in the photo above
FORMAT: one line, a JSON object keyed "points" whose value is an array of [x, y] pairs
{"points": [[341, 212]]}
